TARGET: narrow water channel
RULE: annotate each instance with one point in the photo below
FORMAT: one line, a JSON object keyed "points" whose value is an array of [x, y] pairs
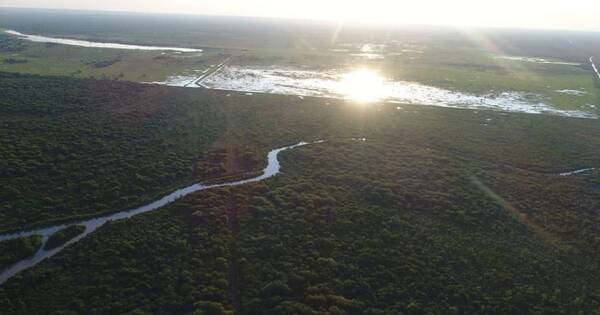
{"points": [[272, 169]]}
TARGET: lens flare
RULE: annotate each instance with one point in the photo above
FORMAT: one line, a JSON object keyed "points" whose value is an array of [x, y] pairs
{"points": [[363, 86]]}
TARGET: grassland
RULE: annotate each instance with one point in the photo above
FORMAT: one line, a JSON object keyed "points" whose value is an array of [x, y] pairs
{"points": [[472, 70], [481, 72], [467, 68], [79, 62]]}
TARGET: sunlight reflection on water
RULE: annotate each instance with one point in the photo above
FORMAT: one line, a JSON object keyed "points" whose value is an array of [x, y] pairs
{"points": [[365, 85]]}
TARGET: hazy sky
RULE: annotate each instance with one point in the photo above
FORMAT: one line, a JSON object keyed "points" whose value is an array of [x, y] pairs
{"points": [[556, 14]]}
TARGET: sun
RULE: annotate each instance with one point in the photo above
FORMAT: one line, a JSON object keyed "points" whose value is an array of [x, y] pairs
{"points": [[363, 86]]}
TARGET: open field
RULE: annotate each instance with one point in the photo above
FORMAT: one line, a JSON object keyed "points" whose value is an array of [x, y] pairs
{"points": [[139, 66], [551, 68]]}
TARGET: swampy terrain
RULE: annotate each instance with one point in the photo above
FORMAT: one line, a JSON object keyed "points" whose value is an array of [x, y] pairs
{"points": [[404, 207]]}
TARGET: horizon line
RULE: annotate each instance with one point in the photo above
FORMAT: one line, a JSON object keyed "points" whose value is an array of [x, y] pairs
{"points": [[314, 20]]}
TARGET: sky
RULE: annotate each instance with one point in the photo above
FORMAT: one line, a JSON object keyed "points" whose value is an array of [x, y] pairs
{"points": [[545, 14]]}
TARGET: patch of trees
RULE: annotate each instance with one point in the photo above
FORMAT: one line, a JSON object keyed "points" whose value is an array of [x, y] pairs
{"points": [[174, 261], [11, 44], [12, 251], [405, 234], [225, 163], [344, 236], [104, 63], [89, 148], [13, 61], [93, 146], [63, 236]]}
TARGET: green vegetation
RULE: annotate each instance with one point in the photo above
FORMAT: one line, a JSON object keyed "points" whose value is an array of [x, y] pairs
{"points": [[335, 234], [20, 56], [439, 211], [11, 44], [12, 251], [445, 59], [387, 227], [471, 69], [476, 72], [141, 259], [61, 237], [75, 148], [11, 61]]}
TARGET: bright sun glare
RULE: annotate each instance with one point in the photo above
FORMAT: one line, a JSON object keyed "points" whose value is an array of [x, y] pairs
{"points": [[363, 86]]}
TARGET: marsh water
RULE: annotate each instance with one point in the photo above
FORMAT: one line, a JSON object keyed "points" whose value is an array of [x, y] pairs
{"points": [[85, 43], [330, 83]]}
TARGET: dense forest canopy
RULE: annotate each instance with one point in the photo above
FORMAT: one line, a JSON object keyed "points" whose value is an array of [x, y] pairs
{"points": [[437, 211], [12, 251]]}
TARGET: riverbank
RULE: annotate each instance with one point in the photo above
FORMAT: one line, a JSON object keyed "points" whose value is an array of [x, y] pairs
{"points": [[273, 168]]}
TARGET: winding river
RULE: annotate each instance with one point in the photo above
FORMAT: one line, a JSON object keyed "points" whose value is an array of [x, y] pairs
{"points": [[272, 169]]}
